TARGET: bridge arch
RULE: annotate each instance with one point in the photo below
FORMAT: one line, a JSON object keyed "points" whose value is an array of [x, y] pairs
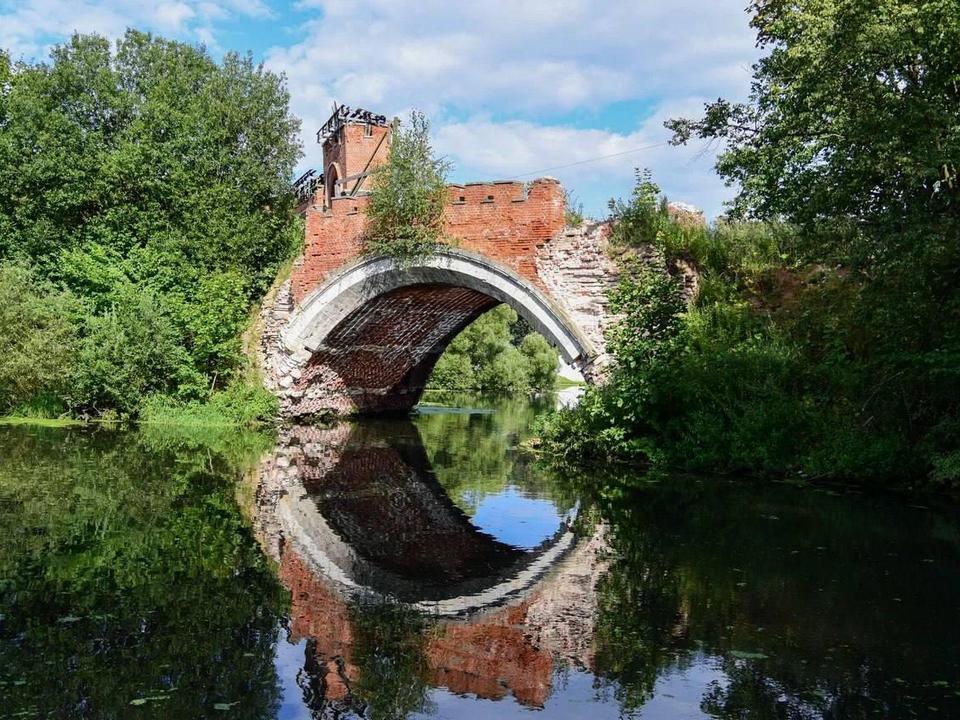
{"points": [[367, 338]]}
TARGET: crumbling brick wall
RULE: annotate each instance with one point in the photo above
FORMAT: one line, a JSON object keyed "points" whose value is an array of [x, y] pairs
{"points": [[385, 360]]}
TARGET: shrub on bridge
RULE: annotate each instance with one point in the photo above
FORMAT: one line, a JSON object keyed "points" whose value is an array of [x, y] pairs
{"points": [[409, 191]]}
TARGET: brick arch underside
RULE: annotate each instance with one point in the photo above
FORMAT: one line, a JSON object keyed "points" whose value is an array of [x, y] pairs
{"points": [[379, 357]]}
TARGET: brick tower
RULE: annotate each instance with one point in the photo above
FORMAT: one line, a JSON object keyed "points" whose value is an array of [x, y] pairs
{"points": [[354, 143]]}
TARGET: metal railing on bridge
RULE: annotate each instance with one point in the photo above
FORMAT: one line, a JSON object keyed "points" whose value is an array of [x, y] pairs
{"points": [[306, 185]]}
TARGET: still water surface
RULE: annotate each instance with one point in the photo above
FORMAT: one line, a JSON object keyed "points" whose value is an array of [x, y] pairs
{"points": [[430, 568]]}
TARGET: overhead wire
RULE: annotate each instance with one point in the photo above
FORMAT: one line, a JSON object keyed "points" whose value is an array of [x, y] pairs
{"points": [[589, 160]]}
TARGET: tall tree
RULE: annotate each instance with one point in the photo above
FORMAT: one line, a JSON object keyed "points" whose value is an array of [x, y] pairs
{"points": [[853, 113], [147, 169]]}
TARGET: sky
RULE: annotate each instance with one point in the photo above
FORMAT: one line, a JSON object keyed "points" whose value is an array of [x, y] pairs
{"points": [[573, 89]]}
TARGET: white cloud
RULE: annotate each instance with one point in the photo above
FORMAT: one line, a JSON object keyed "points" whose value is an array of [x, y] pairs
{"points": [[536, 54], [511, 85], [27, 28], [24, 29], [172, 16], [540, 61], [594, 164], [248, 8]]}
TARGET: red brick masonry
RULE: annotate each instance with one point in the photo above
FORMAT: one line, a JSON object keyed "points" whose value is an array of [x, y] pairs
{"points": [[505, 221]]}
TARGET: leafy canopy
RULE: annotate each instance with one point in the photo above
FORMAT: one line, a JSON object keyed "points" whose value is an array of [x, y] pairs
{"points": [[487, 357], [825, 340], [151, 184], [853, 113]]}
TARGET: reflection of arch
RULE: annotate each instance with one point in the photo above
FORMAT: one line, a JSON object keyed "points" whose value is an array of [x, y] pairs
{"points": [[362, 506], [373, 331], [332, 177]]}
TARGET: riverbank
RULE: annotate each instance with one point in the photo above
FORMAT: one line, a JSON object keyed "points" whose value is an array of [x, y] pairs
{"points": [[40, 421], [787, 358]]}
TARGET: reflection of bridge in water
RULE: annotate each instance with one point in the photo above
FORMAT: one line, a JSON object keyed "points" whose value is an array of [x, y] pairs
{"points": [[362, 504], [354, 515]]}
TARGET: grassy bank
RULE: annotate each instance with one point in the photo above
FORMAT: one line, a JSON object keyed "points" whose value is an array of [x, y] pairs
{"points": [[39, 421]]}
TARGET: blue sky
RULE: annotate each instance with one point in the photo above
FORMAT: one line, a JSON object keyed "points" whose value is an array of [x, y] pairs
{"points": [[513, 88]]}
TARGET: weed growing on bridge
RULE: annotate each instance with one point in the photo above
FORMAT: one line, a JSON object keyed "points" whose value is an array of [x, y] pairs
{"points": [[405, 215]]}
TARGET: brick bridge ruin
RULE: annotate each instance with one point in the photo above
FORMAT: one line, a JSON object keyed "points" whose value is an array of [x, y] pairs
{"points": [[352, 333]]}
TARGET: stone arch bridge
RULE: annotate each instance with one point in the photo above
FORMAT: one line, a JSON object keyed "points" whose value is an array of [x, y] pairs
{"points": [[351, 333]]}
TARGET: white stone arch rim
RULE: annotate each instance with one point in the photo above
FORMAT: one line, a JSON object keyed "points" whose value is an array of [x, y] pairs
{"points": [[369, 277], [304, 525]]}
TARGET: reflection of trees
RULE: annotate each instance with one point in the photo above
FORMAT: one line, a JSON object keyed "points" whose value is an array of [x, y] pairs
{"points": [[638, 629], [383, 676], [389, 652], [817, 605], [476, 454], [129, 575]]}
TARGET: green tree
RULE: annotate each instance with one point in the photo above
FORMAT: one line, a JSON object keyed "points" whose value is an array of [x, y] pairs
{"points": [[40, 337], [131, 352], [541, 361], [854, 113], [825, 336], [409, 191], [148, 169], [485, 358], [852, 132]]}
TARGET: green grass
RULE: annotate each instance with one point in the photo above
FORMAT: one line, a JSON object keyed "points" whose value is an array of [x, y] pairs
{"points": [[39, 421]]}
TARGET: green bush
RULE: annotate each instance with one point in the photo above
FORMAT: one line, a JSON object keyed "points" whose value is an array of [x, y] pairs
{"points": [[130, 352], [454, 372], [40, 333], [408, 194], [541, 362], [241, 403], [779, 366]]}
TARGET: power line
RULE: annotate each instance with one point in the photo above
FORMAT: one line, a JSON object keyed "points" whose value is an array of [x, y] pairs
{"points": [[590, 160]]}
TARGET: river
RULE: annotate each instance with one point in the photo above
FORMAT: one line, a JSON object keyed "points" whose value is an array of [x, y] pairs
{"points": [[432, 568]]}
